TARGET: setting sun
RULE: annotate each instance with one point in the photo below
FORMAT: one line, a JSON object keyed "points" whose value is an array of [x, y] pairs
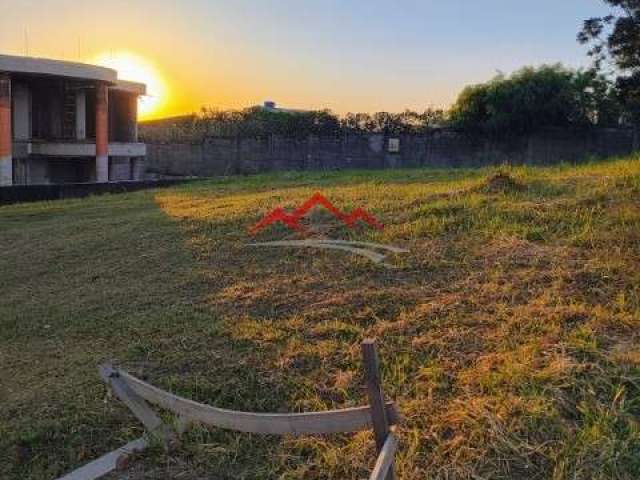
{"points": [[135, 68]]}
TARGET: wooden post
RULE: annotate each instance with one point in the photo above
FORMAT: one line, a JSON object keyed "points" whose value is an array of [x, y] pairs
{"points": [[376, 397]]}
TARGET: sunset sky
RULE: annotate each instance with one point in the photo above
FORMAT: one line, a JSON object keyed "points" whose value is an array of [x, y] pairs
{"points": [[346, 55]]}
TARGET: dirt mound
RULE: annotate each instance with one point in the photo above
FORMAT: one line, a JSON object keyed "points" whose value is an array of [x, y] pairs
{"points": [[502, 183]]}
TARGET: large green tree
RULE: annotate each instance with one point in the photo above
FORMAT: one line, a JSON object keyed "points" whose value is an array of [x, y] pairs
{"points": [[534, 98]]}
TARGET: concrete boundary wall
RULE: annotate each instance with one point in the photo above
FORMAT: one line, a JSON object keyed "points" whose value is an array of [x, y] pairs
{"points": [[440, 148]]}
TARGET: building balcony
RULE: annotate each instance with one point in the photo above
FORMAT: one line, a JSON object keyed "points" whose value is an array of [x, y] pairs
{"points": [[76, 149]]}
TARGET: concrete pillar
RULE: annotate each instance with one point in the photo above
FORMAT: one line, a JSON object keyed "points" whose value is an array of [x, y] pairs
{"points": [[81, 115], [21, 112], [137, 168], [102, 133], [6, 147], [120, 169], [134, 116]]}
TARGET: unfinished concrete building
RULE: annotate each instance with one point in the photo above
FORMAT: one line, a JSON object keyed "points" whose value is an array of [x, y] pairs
{"points": [[65, 122]]}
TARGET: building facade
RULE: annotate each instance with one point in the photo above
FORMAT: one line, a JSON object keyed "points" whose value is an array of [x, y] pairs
{"points": [[66, 122]]}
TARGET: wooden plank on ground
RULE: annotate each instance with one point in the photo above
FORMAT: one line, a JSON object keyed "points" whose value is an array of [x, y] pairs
{"points": [[333, 421], [107, 463], [385, 459]]}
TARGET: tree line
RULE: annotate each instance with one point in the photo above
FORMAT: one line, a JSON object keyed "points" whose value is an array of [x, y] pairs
{"points": [[605, 95]]}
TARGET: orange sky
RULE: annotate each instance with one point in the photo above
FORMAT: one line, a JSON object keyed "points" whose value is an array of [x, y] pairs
{"points": [[345, 55]]}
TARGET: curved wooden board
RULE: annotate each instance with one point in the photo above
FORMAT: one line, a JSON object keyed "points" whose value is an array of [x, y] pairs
{"points": [[317, 423], [370, 254], [380, 246]]}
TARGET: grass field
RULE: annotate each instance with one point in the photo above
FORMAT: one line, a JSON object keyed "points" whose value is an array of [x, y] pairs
{"points": [[509, 335]]}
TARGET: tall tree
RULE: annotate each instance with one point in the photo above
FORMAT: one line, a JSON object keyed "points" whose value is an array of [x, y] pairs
{"points": [[615, 38]]}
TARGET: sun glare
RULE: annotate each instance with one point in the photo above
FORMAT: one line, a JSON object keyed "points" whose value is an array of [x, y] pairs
{"points": [[135, 68]]}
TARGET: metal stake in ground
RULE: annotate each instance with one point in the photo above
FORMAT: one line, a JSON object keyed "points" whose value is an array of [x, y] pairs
{"points": [[376, 397]]}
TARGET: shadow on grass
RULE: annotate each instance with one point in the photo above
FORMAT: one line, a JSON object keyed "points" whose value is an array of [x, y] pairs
{"points": [[88, 280]]}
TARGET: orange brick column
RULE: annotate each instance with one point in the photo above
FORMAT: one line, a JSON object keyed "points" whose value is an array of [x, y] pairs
{"points": [[102, 133], [6, 147]]}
